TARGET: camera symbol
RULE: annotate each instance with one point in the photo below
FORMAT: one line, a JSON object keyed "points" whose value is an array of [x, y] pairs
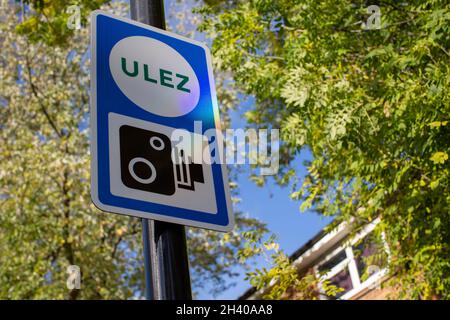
{"points": [[146, 163]]}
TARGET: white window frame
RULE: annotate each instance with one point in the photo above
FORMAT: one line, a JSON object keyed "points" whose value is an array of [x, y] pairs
{"points": [[350, 264]]}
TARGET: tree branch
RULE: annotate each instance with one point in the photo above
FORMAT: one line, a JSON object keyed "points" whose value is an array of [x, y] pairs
{"points": [[36, 94]]}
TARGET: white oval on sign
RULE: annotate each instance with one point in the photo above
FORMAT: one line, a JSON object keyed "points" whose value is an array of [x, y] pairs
{"points": [[154, 76]]}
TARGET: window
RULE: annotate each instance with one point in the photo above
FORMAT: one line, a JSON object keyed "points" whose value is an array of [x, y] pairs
{"points": [[333, 261], [355, 265], [342, 280], [335, 269], [370, 256]]}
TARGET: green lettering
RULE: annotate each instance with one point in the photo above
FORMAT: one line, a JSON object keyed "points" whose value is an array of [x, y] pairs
{"points": [[163, 77], [135, 66], [184, 80], [146, 77]]}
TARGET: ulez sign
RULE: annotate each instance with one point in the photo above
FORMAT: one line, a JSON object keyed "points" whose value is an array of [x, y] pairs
{"points": [[154, 75], [147, 83], [165, 76]]}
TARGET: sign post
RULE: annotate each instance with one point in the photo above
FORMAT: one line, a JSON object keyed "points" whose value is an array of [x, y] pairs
{"points": [[165, 250], [152, 99]]}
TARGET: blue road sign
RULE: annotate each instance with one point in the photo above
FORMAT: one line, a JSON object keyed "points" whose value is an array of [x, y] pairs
{"points": [[153, 109]]}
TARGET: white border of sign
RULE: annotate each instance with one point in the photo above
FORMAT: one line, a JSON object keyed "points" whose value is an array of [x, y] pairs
{"points": [[93, 128]]}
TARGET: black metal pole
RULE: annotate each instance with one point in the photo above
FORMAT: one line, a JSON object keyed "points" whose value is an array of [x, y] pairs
{"points": [[165, 250], [147, 260]]}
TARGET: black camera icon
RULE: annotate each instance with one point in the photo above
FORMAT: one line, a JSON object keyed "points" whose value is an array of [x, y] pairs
{"points": [[146, 163]]}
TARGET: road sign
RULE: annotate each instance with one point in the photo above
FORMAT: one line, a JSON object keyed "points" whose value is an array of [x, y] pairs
{"points": [[150, 90]]}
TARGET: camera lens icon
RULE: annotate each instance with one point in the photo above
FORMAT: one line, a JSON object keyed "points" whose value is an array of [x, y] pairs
{"points": [[148, 164], [145, 160], [157, 143]]}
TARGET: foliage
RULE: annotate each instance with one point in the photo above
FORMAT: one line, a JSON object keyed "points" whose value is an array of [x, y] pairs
{"points": [[372, 106], [46, 21], [47, 220], [282, 280]]}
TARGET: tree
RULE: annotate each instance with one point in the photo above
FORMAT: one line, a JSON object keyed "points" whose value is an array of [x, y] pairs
{"points": [[47, 220], [48, 21], [372, 106]]}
